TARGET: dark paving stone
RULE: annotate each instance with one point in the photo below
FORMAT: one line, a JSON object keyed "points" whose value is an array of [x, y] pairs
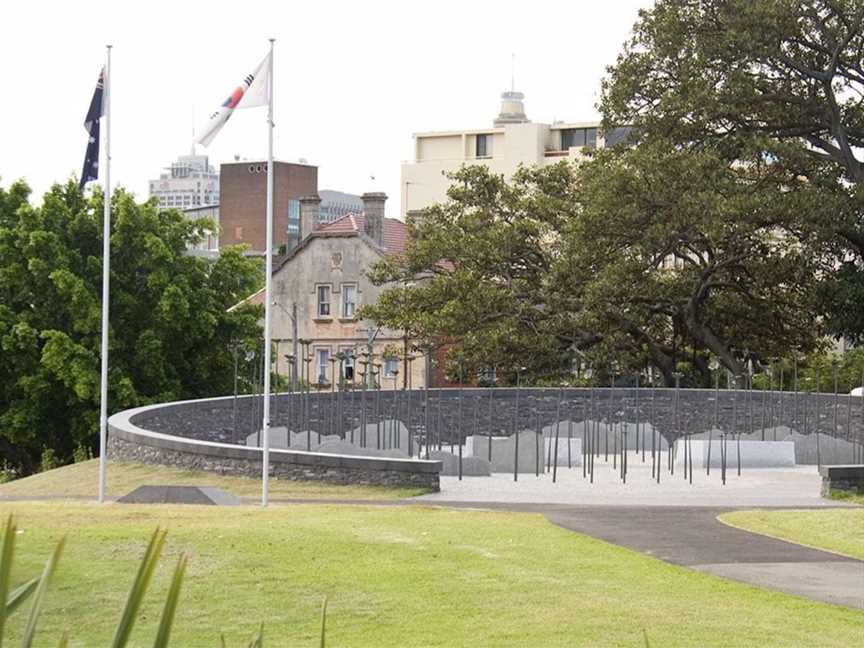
{"points": [[180, 495]]}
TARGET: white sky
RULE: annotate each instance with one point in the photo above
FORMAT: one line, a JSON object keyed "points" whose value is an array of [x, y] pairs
{"points": [[353, 80]]}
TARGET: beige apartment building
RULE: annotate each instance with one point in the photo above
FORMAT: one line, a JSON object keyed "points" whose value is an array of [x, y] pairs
{"points": [[512, 140]]}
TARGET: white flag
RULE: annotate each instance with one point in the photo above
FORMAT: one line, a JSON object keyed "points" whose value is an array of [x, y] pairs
{"points": [[252, 92]]}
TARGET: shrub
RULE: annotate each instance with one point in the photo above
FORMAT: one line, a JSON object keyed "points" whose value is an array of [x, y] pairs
{"points": [[49, 460], [82, 453]]}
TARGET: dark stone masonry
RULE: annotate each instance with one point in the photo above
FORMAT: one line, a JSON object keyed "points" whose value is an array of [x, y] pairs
{"points": [[211, 434]]}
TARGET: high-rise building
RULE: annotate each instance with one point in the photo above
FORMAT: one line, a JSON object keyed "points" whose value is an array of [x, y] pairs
{"points": [[189, 182], [243, 202], [512, 140], [336, 204]]}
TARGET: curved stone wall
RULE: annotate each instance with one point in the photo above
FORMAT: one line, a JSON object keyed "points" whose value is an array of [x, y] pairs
{"points": [[189, 445], [826, 428]]}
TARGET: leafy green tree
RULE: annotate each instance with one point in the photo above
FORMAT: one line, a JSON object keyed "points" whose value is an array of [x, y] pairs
{"points": [[783, 78], [676, 256], [170, 331], [655, 256], [476, 274]]}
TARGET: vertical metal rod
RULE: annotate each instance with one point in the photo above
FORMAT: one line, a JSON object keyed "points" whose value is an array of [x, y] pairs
{"points": [[780, 401], [538, 433], [557, 432], [516, 430], [234, 408], [489, 428], [459, 425], [653, 420], [795, 397], [818, 420], [690, 456]]}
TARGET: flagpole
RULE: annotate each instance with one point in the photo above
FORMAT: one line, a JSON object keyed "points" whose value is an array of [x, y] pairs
{"points": [[268, 288], [106, 274]]}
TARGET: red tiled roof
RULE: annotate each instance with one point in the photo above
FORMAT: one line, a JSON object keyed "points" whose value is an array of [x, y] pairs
{"points": [[395, 231]]}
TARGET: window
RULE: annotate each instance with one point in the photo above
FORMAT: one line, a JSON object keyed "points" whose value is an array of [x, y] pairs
{"points": [[323, 301], [483, 148], [348, 365], [578, 138], [391, 367], [293, 216], [349, 300], [619, 136], [323, 359]]}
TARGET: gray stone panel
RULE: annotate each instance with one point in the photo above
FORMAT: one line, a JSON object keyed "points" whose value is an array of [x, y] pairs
{"points": [[202, 495], [531, 452], [471, 466]]}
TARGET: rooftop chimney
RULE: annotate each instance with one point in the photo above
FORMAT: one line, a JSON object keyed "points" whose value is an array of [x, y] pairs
{"points": [[310, 210], [373, 210]]}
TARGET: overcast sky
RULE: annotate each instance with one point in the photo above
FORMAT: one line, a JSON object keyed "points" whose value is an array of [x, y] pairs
{"points": [[353, 80]]}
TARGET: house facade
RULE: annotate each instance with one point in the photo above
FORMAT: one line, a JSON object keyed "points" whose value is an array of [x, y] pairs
{"points": [[318, 288]]}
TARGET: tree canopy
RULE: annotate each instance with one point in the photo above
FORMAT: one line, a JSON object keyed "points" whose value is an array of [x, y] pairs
{"points": [[781, 78], [169, 335], [654, 256]]}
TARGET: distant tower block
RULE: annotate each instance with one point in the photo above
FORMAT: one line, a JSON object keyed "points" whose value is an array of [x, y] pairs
{"points": [[512, 109]]}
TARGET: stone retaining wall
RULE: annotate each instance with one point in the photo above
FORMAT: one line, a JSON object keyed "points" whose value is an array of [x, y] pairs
{"points": [[450, 414], [128, 441]]}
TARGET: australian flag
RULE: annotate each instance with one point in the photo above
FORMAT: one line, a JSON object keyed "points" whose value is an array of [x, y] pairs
{"points": [[91, 125]]}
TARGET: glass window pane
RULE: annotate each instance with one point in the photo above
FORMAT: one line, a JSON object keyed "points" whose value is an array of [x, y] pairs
{"points": [[349, 300], [323, 361], [323, 301]]}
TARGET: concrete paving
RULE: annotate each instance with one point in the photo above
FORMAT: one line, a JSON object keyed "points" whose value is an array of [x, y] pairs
{"points": [[795, 486], [695, 538]]}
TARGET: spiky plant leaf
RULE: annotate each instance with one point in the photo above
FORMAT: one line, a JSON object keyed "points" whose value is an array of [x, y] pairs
{"points": [[20, 595], [39, 596], [139, 588], [64, 641], [171, 604], [258, 642], [323, 620], [6, 570]]}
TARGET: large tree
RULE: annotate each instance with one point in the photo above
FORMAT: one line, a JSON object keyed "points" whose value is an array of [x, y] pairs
{"points": [[170, 332], [678, 256], [476, 273], [782, 77], [654, 256]]}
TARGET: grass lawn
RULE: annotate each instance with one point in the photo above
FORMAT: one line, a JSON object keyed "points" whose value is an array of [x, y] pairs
{"points": [[395, 576], [81, 480], [846, 496], [840, 530]]}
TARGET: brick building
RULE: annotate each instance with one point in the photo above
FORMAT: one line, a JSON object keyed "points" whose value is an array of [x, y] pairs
{"points": [[243, 201]]}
